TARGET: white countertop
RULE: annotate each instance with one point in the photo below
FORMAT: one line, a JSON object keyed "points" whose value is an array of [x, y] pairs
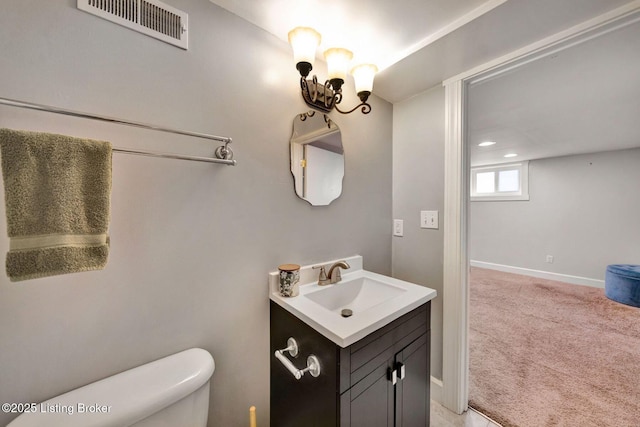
{"points": [[346, 331]]}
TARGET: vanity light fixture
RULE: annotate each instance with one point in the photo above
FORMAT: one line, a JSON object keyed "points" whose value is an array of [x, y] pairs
{"points": [[325, 97]]}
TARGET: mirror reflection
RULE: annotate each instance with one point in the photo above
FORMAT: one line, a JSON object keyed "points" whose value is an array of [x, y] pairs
{"points": [[317, 158]]}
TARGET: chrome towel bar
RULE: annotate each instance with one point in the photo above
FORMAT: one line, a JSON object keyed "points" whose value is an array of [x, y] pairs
{"points": [[224, 155]]}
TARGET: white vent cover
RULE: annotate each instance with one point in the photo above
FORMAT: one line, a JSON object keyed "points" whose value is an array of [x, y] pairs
{"points": [[150, 17]]}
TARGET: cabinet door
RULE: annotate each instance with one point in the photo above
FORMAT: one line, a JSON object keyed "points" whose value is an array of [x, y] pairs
{"points": [[412, 391], [309, 401], [370, 402]]}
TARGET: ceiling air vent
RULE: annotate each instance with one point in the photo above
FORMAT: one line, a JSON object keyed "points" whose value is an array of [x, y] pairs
{"points": [[150, 17]]}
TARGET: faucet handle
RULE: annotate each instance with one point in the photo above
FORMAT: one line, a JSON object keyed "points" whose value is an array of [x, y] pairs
{"points": [[322, 277]]}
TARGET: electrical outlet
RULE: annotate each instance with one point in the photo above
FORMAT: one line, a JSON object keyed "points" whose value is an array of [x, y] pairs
{"points": [[550, 259], [429, 219], [398, 227]]}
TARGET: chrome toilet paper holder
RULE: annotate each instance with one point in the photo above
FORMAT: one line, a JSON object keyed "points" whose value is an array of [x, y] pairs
{"points": [[313, 364]]}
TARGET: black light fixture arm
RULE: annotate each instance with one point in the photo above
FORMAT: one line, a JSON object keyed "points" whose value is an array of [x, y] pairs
{"points": [[365, 108], [317, 95], [325, 98]]}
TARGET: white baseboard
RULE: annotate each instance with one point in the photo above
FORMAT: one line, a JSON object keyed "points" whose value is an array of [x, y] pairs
{"points": [[436, 390], [576, 280]]}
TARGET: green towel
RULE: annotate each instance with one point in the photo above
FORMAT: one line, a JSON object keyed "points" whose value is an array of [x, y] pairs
{"points": [[57, 195]]}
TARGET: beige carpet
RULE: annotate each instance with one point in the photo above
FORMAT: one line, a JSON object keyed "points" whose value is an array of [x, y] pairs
{"points": [[546, 353]]}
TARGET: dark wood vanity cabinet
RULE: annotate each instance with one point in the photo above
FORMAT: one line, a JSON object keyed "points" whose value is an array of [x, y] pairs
{"points": [[381, 380]]}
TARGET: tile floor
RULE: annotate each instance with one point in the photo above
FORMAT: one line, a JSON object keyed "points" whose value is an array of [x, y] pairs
{"points": [[442, 417]]}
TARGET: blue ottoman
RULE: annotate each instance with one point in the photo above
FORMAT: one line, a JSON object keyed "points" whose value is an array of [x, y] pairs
{"points": [[622, 284]]}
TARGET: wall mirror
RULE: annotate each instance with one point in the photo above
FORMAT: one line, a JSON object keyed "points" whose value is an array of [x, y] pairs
{"points": [[317, 158]]}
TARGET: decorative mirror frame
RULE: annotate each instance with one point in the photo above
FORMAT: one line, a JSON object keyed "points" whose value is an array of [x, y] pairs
{"points": [[316, 158]]}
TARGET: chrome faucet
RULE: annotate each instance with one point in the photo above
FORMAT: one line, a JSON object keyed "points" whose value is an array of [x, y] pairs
{"points": [[334, 271]]}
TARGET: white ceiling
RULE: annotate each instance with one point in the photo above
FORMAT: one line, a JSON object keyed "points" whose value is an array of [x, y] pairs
{"points": [[377, 31], [573, 102], [419, 43], [583, 99], [508, 27]]}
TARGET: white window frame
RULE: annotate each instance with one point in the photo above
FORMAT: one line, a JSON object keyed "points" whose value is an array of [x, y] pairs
{"points": [[521, 194]]}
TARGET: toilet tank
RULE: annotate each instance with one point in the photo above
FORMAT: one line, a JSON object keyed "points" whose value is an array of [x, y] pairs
{"points": [[173, 391]]}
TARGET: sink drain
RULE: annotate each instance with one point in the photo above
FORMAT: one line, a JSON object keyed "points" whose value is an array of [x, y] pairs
{"points": [[346, 312]]}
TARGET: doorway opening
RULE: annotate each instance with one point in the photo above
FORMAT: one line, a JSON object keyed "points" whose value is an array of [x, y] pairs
{"points": [[457, 188]]}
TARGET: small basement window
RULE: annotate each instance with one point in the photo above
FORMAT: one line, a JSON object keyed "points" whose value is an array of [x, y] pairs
{"points": [[500, 182]]}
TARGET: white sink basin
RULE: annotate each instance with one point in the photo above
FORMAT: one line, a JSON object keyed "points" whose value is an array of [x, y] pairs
{"points": [[374, 299], [358, 294]]}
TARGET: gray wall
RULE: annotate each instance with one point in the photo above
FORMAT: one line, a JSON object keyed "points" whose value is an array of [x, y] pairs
{"points": [[418, 183], [583, 210], [191, 243]]}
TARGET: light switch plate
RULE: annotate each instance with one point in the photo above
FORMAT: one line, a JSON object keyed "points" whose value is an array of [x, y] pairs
{"points": [[398, 227], [429, 219]]}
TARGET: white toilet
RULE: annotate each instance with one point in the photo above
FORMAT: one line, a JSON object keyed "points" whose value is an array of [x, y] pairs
{"points": [[170, 392]]}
